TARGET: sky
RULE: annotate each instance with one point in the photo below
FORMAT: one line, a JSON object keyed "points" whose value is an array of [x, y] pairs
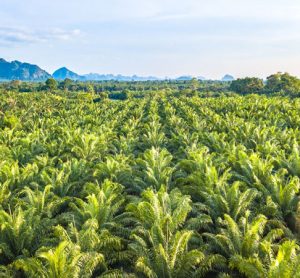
{"points": [[154, 37]]}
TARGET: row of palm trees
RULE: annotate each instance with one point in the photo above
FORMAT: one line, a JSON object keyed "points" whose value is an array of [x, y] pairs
{"points": [[153, 187]]}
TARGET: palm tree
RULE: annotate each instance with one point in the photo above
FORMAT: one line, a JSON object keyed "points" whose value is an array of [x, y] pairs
{"points": [[211, 191], [161, 246], [153, 136], [10, 174], [245, 239], [102, 219], [280, 194], [103, 203], [66, 260], [88, 146], [66, 178], [198, 176], [230, 200], [90, 239], [154, 169], [45, 203], [21, 233], [286, 263], [292, 163], [226, 199], [115, 168]]}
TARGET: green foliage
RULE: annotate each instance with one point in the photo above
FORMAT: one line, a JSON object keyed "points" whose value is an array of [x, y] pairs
{"points": [[161, 244], [65, 260], [51, 84], [66, 84], [248, 85], [283, 82], [163, 185]]}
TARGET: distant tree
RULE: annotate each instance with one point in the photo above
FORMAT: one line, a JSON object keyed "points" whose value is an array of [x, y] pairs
{"points": [[194, 84], [66, 84], [90, 89], [248, 85], [51, 84], [283, 82]]}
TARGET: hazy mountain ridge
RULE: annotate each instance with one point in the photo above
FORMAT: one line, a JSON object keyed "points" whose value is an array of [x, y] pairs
{"points": [[16, 70], [63, 73], [228, 78], [119, 77]]}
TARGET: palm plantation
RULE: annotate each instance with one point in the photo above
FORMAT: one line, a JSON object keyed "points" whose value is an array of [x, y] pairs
{"points": [[162, 185]]}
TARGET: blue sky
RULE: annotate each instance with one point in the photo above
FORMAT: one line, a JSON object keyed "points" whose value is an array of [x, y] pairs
{"points": [[154, 37]]}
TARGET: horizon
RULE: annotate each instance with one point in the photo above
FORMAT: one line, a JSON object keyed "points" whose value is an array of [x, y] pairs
{"points": [[159, 78], [151, 38]]}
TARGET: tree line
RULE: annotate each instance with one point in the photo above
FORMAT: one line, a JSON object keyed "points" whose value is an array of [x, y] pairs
{"points": [[279, 83], [275, 84]]}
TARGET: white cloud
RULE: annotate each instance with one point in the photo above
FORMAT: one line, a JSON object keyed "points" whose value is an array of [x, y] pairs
{"points": [[11, 35]]}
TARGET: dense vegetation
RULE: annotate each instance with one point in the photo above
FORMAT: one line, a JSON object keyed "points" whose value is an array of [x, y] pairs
{"points": [[167, 185], [280, 84], [113, 89]]}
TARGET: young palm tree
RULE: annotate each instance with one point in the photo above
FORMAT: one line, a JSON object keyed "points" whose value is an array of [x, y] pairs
{"points": [[154, 169], [225, 199], [66, 260], [102, 216], [231, 200], [279, 193], [103, 203], [153, 136], [160, 243], [292, 162], [244, 239], [21, 232], [198, 176], [211, 191], [45, 203], [286, 263], [115, 168], [88, 146]]}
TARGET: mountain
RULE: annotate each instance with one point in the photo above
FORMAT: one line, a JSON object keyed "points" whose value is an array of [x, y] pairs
{"points": [[119, 77], [16, 70], [189, 77], [184, 78], [228, 78], [98, 77], [63, 73]]}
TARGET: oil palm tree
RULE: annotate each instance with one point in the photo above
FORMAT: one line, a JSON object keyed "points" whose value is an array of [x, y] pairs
{"points": [[198, 176], [115, 168], [244, 239], [103, 214], [21, 233], [283, 263], [159, 241], [279, 193], [65, 260], [154, 169], [103, 203]]}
